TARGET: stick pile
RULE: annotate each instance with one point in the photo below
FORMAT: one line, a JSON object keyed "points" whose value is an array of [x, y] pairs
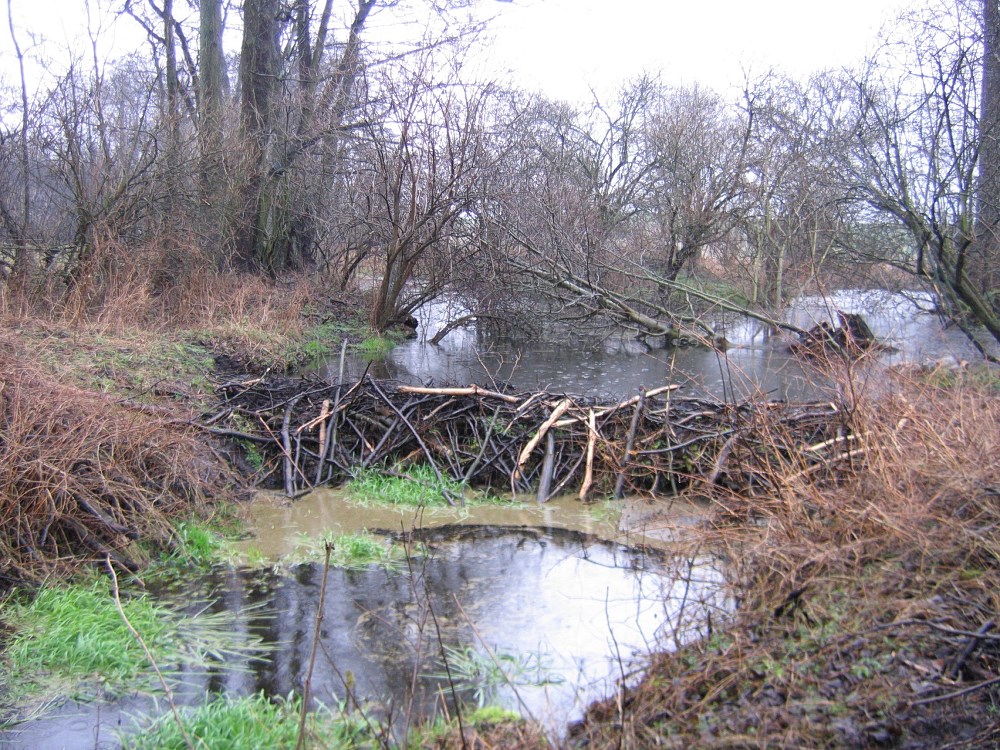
{"points": [[315, 433]]}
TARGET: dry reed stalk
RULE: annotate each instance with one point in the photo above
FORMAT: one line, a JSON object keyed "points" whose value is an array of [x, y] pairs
{"points": [[82, 477]]}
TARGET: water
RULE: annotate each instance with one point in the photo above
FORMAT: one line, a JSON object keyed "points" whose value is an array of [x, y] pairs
{"points": [[757, 364], [567, 613]]}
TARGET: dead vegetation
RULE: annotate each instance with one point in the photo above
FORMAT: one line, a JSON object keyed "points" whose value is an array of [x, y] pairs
{"points": [[259, 321], [867, 598], [85, 474], [99, 379], [314, 432]]}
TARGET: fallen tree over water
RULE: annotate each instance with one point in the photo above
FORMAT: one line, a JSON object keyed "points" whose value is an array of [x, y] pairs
{"points": [[317, 432]]}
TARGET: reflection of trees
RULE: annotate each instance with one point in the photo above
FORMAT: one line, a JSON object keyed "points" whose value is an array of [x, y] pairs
{"points": [[526, 594]]}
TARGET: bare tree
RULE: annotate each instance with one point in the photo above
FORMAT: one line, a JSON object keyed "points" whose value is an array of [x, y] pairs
{"points": [[212, 88], [100, 143], [19, 228], [424, 163], [613, 204], [918, 156], [797, 218], [700, 151]]}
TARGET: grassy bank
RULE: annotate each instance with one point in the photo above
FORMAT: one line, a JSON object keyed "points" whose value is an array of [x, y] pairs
{"points": [[85, 474]]}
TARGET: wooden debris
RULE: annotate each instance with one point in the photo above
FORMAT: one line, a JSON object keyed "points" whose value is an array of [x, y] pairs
{"points": [[852, 336], [316, 432], [588, 473]]}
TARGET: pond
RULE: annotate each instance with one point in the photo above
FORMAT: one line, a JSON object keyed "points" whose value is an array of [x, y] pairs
{"points": [[756, 363], [538, 620]]}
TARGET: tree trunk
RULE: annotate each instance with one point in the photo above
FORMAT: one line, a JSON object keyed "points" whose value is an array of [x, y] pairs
{"points": [[171, 247], [988, 193], [214, 84], [291, 226], [259, 67]]}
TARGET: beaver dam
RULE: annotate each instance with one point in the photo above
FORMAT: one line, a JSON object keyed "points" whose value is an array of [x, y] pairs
{"points": [[316, 432]]}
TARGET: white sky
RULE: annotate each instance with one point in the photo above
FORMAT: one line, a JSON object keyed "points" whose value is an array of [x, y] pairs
{"points": [[565, 46]]}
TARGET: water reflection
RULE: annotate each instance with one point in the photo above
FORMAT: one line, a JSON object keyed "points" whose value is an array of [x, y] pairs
{"points": [[573, 613], [575, 609], [758, 364]]}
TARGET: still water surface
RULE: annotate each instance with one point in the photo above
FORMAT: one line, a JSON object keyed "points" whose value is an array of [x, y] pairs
{"points": [[756, 364], [569, 615]]}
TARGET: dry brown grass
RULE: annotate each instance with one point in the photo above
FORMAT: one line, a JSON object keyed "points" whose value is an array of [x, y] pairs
{"points": [[81, 472], [206, 298], [117, 292], [855, 589], [82, 476], [118, 288]]}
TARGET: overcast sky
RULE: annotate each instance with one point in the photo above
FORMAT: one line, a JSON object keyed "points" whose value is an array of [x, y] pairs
{"points": [[565, 46]]}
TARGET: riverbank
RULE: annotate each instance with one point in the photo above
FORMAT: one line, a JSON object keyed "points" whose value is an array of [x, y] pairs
{"points": [[860, 591], [867, 602], [104, 449]]}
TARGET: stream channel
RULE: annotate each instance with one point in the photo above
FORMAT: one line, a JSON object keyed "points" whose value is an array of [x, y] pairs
{"points": [[756, 364], [564, 600]]}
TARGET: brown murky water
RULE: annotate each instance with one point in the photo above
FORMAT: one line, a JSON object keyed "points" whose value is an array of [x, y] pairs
{"points": [[278, 525]]}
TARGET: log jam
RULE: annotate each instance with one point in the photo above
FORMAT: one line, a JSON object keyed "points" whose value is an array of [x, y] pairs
{"points": [[317, 432]]}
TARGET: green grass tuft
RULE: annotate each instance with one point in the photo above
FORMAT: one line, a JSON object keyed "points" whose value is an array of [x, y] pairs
{"points": [[484, 673], [198, 545], [67, 636], [250, 723], [351, 551], [376, 347], [435, 734], [418, 486], [75, 632]]}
